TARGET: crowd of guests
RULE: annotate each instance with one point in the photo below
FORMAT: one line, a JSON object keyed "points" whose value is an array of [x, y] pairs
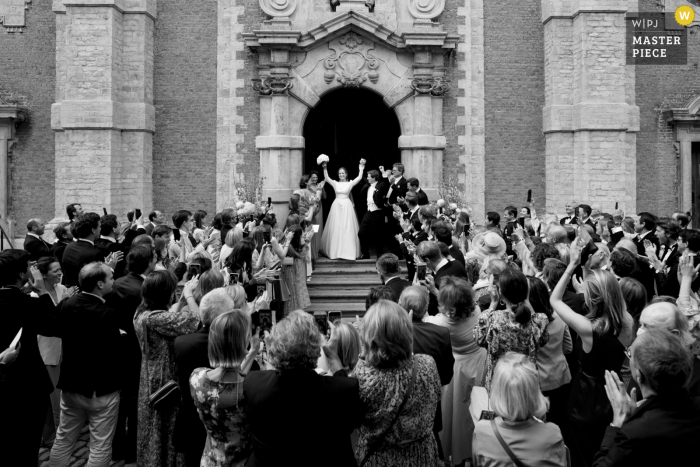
{"points": [[545, 341]]}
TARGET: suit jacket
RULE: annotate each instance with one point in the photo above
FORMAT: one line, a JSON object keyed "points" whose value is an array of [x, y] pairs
{"points": [[456, 253], [125, 298], [191, 352], [422, 198], [574, 221], [452, 268], [27, 376], [284, 410], [90, 336], [640, 243], [76, 255], [591, 223], [397, 284], [667, 279], [36, 247], [57, 251], [149, 228], [379, 196], [107, 247], [663, 431], [431, 339], [409, 217], [398, 189]]}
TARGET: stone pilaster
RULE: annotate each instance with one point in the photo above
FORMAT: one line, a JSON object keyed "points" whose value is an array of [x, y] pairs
{"points": [[589, 119], [104, 117]]}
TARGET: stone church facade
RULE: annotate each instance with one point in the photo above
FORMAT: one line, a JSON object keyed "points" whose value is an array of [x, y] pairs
{"points": [[176, 104]]}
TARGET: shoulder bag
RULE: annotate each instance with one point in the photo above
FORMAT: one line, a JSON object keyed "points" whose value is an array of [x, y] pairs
{"points": [[380, 439], [168, 395], [505, 446]]}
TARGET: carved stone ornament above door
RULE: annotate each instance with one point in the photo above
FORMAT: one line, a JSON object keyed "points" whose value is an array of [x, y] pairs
{"points": [[277, 8], [353, 64], [426, 9]]}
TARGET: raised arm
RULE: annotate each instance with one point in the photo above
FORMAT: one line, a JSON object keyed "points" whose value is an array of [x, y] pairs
{"points": [[578, 323], [360, 175], [328, 179]]}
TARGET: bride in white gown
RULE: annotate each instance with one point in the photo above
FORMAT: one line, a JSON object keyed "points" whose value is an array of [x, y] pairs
{"points": [[339, 240]]}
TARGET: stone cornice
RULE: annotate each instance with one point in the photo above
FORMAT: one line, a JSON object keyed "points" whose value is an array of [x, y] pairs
{"points": [[341, 24], [689, 113], [134, 7], [102, 115], [11, 112], [570, 9]]}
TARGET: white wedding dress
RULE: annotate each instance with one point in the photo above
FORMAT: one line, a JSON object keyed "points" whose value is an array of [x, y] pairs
{"points": [[339, 240]]}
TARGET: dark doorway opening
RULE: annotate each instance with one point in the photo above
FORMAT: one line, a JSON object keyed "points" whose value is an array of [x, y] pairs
{"points": [[695, 210], [347, 125]]}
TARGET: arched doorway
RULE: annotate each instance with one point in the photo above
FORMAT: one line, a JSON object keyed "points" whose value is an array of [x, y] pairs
{"points": [[347, 125]]}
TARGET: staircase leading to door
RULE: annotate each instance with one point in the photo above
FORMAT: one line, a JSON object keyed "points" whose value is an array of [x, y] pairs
{"points": [[342, 285]]}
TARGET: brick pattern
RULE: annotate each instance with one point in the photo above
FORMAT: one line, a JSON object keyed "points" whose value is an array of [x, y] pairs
{"points": [[659, 88], [184, 145], [27, 76], [514, 97]]}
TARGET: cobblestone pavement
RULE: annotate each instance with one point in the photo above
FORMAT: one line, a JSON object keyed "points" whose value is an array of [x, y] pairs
{"points": [[80, 455]]}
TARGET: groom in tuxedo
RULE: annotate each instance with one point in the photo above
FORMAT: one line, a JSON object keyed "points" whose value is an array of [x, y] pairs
{"points": [[374, 227], [395, 195]]}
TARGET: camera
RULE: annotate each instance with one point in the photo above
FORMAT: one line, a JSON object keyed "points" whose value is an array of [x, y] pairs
{"points": [[194, 270], [267, 236], [334, 316], [233, 278], [321, 319], [421, 269]]}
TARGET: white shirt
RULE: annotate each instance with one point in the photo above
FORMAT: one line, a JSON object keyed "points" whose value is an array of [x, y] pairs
{"points": [[371, 207], [110, 239], [641, 236], [441, 264], [86, 240], [396, 182], [568, 220]]}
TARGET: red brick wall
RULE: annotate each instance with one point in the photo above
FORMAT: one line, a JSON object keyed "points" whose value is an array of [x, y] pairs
{"points": [[184, 145], [28, 75], [659, 88], [514, 97]]}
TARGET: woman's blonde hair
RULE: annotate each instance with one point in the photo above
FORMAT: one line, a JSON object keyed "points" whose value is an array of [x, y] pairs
{"points": [[387, 335], [515, 389], [605, 302], [295, 342], [228, 338], [233, 236], [348, 345], [237, 293], [208, 281]]}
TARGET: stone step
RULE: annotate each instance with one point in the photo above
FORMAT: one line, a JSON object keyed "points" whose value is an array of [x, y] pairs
{"points": [[335, 295], [349, 309], [343, 281]]}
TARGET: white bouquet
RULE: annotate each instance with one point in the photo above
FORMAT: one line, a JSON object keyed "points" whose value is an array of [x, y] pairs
{"points": [[441, 203], [321, 159]]}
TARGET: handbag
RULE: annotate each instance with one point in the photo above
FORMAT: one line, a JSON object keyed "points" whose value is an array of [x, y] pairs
{"points": [[380, 439], [510, 453], [168, 395]]}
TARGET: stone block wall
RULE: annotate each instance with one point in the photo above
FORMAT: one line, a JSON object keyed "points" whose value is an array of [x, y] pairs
{"points": [[659, 88], [184, 144], [27, 76], [514, 97]]}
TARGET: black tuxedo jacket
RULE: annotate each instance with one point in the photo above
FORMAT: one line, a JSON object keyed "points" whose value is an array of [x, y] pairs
{"points": [[640, 243], [574, 221], [456, 253], [451, 269], [431, 339], [57, 251], [90, 337], [397, 284], [284, 410], [380, 191], [125, 298], [667, 280], [107, 247], [409, 217], [398, 189], [591, 223], [76, 255], [191, 352], [36, 247], [422, 198]]}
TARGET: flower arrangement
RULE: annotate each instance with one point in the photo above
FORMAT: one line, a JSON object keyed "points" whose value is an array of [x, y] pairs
{"points": [[321, 159], [248, 199], [452, 199]]}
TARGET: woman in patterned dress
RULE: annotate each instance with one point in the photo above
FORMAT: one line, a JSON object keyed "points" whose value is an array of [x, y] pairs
{"points": [[161, 325], [384, 377], [218, 393], [515, 329], [294, 268], [316, 194]]}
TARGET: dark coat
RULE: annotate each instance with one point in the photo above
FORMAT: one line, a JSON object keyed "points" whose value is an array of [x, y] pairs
{"points": [[90, 336], [662, 431], [398, 190], [397, 285], [57, 251], [191, 352], [290, 422], [36, 247], [456, 253], [452, 268], [640, 243], [76, 255]]}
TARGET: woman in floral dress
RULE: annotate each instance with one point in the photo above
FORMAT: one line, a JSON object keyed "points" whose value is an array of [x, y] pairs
{"points": [[515, 329], [293, 254], [315, 193], [156, 327], [218, 393]]}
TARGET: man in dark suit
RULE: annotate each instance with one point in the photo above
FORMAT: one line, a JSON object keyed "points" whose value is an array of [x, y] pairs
{"points": [[278, 404], [84, 251], [90, 336], [570, 218], [442, 232], [191, 352], [584, 214], [33, 243], [155, 219], [429, 252], [125, 299], [645, 227], [388, 269], [24, 397], [412, 239], [373, 229], [64, 237], [411, 207], [109, 233], [414, 186], [430, 339]]}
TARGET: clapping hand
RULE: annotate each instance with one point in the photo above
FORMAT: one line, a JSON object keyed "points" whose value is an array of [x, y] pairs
{"points": [[575, 251], [190, 286], [113, 258], [622, 404], [686, 268], [71, 291], [649, 249]]}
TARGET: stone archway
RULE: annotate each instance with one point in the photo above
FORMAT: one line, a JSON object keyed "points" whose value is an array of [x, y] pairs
{"points": [[349, 50]]}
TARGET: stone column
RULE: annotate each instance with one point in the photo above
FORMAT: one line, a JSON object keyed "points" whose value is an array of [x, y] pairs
{"points": [[9, 114], [589, 119], [104, 116]]}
